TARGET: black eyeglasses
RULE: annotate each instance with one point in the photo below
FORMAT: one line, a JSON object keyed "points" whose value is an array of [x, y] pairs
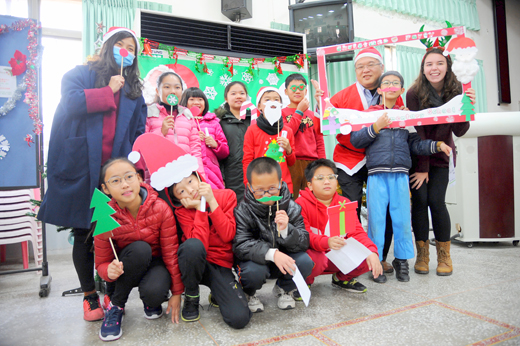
{"points": [[260, 193]]}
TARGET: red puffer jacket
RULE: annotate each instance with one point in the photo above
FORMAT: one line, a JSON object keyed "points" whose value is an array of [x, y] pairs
{"points": [[215, 229], [154, 224]]}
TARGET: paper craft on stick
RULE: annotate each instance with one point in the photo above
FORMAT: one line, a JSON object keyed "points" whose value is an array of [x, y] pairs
{"points": [[273, 112], [105, 224], [269, 199], [342, 218], [167, 166], [124, 53], [248, 106]]}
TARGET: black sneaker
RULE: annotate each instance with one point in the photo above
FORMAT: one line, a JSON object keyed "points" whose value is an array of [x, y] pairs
{"points": [[212, 301], [190, 310], [381, 279], [152, 313], [352, 286], [111, 328], [295, 294], [401, 270]]}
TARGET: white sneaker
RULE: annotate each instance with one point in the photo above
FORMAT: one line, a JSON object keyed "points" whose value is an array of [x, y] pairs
{"points": [[255, 305], [285, 301]]}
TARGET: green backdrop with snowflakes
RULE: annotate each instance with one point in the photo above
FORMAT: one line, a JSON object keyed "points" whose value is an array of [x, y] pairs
{"points": [[218, 77]]}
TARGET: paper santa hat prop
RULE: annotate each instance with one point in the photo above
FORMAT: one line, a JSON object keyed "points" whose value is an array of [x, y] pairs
{"points": [[264, 90], [461, 44], [114, 30], [167, 163], [369, 52], [465, 67]]}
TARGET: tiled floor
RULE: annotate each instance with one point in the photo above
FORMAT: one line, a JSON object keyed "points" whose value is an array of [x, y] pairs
{"points": [[478, 304]]}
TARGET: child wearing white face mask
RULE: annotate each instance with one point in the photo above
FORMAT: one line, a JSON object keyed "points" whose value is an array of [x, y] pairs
{"points": [[174, 121], [269, 137]]}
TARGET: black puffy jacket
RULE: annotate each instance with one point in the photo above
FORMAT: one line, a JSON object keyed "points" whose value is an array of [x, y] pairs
{"points": [[256, 229], [231, 167], [389, 150]]}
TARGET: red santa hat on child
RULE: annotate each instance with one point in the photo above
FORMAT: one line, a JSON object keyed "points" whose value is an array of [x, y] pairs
{"points": [[264, 90], [369, 52], [115, 29], [167, 166]]}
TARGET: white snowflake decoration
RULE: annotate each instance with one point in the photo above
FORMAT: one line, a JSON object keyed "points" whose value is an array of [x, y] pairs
{"points": [[261, 81], [235, 72], [272, 79], [246, 77], [4, 146], [225, 80], [210, 93], [210, 72]]}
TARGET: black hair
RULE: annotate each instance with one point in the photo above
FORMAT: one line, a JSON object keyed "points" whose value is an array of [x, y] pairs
{"points": [[314, 165], [105, 67], [194, 92], [171, 189], [391, 73], [160, 80], [228, 87], [109, 163], [263, 165], [294, 76]]}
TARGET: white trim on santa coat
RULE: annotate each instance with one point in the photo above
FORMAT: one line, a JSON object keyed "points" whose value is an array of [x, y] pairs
{"points": [[361, 92], [354, 169]]}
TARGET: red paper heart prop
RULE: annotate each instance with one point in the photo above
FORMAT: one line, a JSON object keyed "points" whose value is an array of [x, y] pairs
{"points": [[195, 111], [123, 52]]}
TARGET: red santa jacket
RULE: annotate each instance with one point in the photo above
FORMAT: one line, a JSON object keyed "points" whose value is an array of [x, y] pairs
{"points": [[257, 144], [215, 229], [307, 134], [315, 217], [347, 157], [154, 224]]}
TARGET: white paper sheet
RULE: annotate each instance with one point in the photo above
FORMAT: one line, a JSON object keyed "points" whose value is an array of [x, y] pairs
{"points": [[451, 174], [7, 82], [350, 256], [304, 290]]}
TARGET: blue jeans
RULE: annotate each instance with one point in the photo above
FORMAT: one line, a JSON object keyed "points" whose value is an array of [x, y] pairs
{"points": [[390, 190], [253, 275]]}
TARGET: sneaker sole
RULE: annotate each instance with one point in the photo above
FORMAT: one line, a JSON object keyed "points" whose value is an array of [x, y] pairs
{"points": [[152, 317], [257, 310], [95, 319], [348, 289], [112, 337], [192, 320], [286, 308]]}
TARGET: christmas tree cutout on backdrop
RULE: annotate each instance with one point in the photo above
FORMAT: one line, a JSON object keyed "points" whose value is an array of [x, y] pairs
{"points": [[467, 108], [274, 152]]}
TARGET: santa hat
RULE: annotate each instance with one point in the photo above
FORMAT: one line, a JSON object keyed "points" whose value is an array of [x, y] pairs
{"points": [[115, 29], [167, 166], [369, 52], [264, 90], [460, 44]]}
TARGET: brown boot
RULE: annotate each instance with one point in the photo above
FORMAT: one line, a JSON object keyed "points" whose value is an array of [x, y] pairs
{"points": [[423, 257], [444, 265], [387, 267]]}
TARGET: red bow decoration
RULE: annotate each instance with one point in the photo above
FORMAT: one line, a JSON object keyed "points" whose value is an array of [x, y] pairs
{"points": [[146, 48], [18, 63], [205, 68], [278, 66], [29, 139], [231, 68], [300, 61]]}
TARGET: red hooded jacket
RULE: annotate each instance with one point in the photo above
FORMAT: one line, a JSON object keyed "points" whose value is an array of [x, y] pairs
{"points": [[154, 224], [315, 217], [215, 229]]}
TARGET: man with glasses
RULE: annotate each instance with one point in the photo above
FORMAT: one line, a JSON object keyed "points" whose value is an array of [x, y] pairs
{"points": [[319, 195]]}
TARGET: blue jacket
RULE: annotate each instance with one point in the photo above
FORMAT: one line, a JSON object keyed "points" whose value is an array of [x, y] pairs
{"points": [[74, 158], [389, 150]]}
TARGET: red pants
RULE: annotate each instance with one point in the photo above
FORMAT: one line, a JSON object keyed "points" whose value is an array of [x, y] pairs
{"points": [[322, 266]]}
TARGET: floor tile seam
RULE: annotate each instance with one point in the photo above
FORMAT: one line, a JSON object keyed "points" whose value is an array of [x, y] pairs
{"points": [[216, 343], [477, 316], [476, 288], [508, 335], [326, 328]]}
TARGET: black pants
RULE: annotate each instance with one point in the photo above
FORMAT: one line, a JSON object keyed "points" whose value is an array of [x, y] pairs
{"points": [[253, 275], [143, 271], [196, 270], [432, 195], [83, 258], [352, 188]]}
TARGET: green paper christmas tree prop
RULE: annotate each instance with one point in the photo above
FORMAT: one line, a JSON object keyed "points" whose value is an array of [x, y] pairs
{"points": [[467, 108], [102, 211], [274, 152], [104, 222]]}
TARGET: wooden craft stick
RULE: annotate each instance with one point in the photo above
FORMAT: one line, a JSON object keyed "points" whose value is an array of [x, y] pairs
{"points": [[113, 248]]}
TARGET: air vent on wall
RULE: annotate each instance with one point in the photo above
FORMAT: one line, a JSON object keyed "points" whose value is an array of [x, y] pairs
{"points": [[218, 38]]}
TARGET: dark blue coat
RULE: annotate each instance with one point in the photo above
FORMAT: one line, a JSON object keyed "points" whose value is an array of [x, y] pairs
{"points": [[74, 158], [389, 150]]}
